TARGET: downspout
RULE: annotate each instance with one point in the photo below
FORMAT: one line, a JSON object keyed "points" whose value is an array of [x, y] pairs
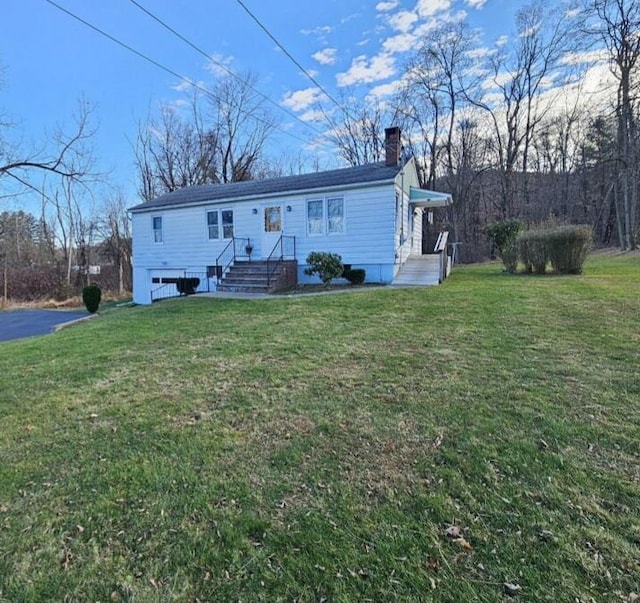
{"points": [[401, 211]]}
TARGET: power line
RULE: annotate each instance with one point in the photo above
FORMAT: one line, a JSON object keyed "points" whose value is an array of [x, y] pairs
{"points": [[222, 66], [164, 68], [291, 58]]}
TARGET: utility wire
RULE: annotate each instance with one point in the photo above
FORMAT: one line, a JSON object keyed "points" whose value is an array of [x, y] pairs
{"points": [[291, 58], [163, 67], [222, 66]]}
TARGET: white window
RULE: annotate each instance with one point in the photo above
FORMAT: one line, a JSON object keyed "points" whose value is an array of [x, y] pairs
{"points": [[157, 229], [325, 216], [335, 215], [220, 222], [315, 216]]}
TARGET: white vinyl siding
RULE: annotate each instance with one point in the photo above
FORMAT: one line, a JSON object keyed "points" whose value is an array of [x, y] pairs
{"points": [[325, 216], [362, 232]]}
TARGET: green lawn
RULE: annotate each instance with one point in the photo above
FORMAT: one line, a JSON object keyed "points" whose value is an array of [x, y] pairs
{"points": [[379, 445]]}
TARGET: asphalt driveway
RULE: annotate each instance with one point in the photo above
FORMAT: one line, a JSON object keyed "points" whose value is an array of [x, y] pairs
{"points": [[17, 324]]}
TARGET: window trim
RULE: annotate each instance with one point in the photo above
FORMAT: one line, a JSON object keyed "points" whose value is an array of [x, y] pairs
{"points": [[325, 216], [155, 231], [219, 224], [265, 209]]}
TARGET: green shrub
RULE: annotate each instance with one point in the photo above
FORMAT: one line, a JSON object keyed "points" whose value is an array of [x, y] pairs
{"points": [[187, 286], [504, 236], [326, 265], [568, 248], [533, 250], [355, 276], [91, 296]]}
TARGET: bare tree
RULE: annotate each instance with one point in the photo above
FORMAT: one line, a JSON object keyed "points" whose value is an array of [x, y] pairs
{"points": [[114, 227], [519, 76], [431, 97], [358, 133], [173, 152], [617, 25], [67, 156], [221, 138], [243, 125]]}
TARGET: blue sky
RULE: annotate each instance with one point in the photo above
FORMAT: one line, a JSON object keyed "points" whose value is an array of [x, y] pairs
{"points": [[51, 60]]}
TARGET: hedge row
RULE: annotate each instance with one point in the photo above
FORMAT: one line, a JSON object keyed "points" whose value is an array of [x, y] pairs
{"points": [[564, 247]]}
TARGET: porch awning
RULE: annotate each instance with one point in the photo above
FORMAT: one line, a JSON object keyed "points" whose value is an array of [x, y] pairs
{"points": [[424, 198]]}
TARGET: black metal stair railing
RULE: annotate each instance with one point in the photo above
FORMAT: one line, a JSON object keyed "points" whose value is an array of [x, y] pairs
{"points": [[284, 249], [235, 248]]}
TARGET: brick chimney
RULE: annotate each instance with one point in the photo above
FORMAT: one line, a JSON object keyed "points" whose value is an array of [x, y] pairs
{"points": [[392, 146]]}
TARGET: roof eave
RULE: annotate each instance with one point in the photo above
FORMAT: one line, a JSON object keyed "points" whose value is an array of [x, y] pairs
{"points": [[429, 199], [143, 208]]}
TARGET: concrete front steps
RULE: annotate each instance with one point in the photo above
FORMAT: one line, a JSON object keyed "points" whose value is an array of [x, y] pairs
{"points": [[419, 271], [251, 277]]}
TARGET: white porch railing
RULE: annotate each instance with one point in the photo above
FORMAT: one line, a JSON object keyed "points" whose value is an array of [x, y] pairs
{"points": [[441, 249]]}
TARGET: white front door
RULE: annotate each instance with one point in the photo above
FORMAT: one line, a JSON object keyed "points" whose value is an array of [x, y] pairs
{"points": [[272, 224]]}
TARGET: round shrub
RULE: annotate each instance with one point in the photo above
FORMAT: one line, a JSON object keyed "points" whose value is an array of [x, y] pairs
{"points": [[504, 235], [533, 250], [91, 296], [355, 276], [326, 265], [569, 247]]}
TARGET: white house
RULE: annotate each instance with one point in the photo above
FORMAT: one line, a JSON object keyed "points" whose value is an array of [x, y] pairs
{"points": [[372, 215]]}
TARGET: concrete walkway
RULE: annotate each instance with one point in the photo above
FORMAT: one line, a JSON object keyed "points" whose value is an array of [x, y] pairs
{"points": [[18, 324]]}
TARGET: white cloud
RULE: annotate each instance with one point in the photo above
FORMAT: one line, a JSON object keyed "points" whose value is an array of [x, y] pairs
{"points": [[580, 58], [384, 90], [364, 70], [401, 43], [322, 30], [327, 56], [385, 7], [403, 20], [496, 81], [428, 8], [502, 41], [301, 100], [217, 66], [184, 84], [190, 86], [547, 82], [313, 115], [433, 21], [476, 3], [349, 18], [480, 53]]}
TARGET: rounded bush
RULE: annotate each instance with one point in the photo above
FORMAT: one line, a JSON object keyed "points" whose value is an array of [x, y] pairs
{"points": [[533, 249], [326, 265], [355, 276], [503, 235], [91, 296], [569, 247]]}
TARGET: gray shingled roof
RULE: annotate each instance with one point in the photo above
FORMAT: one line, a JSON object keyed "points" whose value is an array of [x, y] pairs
{"points": [[363, 174]]}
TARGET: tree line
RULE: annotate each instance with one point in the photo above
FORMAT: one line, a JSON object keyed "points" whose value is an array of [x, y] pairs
{"points": [[511, 131]]}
